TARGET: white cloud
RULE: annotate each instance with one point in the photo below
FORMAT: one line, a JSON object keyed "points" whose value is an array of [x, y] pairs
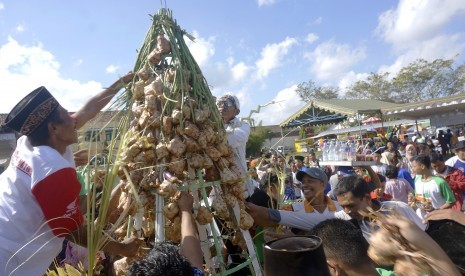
{"points": [[348, 79], [78, 62], [415, 28], [272, 56], [202, 49], [311, 37], [442, 46], [20, 28], [2, 6], [287, 102], [318, 21], [240, 71], [266, 2], [111, 68], [331, 60], [24, 68], [415, 20]]}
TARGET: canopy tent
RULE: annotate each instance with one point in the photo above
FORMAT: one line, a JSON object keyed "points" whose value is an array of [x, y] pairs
{"points": [[320, 112], [364, 128], [441, 111], [372, 120], [416, 128]]}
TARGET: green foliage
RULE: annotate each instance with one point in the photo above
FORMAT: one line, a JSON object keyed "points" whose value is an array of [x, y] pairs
{"points": [[420, 80], [309, 91], [302, 133], [376, 86], [320, 128], [256, 139], [68, 270]]}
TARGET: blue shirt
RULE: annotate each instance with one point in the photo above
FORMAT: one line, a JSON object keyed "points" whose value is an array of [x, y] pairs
{"points": [[404, 174], [197, 272], [289, 193]]}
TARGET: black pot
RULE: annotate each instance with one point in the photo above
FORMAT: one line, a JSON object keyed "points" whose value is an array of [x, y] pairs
{"points": [[295, 256]]}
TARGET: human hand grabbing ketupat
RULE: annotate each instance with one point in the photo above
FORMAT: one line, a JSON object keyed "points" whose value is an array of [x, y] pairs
{"points": [[402, 243]]}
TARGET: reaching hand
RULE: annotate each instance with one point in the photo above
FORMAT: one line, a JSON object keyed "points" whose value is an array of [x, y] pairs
{"points": [[259, 215], [81, 157], [409, 230], [449, 214], [425, 245], [131, 247], [127, 78], [185, 202]]}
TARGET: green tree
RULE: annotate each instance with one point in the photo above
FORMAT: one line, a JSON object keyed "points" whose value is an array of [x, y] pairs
{"points": [[423, 80], [376, 86], [418, 81], [256, 139], [309, 91]]}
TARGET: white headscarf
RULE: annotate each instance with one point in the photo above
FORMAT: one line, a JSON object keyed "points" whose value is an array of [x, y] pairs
{"points": [[407, 155]]}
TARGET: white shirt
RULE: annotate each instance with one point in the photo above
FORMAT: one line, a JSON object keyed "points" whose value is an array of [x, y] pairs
{"points": [[35, 185], [456, 162], [379, 169], [238, 134], [306, 221]]}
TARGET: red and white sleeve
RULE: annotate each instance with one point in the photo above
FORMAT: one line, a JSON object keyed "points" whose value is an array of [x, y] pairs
{"points": [[58, 197]]}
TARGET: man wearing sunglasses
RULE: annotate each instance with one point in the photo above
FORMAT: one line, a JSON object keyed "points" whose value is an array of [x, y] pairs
{"points": [[237, 131]]}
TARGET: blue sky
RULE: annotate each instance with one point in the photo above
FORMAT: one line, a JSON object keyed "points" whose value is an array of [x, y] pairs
{"points": [[259, 50]]}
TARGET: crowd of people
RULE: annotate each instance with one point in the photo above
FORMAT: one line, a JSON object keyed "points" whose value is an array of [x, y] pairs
{"points": [[408, 178], [413, 186]]}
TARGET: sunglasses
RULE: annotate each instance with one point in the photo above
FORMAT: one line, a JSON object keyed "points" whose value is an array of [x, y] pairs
{"points": [[227, 104]]}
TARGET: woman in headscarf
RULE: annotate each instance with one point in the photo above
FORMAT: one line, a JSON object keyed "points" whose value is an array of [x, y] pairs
{"points": [[410, 151]]}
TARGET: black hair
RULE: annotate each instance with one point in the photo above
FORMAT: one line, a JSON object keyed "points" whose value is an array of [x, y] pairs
{"points": [[392, 171], [423, 147], [342, 241], [269, 179], [352, 183], [261, 198], [162, 260], [41, 135], [435, 157], [381, 177], [449, 234], [422, 159], [379, 150]]}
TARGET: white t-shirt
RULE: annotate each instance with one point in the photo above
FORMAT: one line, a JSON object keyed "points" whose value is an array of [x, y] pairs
{"points": [[398, 189], [435, 191], [39, 199], [306, 207], [237, 134], [306, 221], [379, 169], [297, 184], [455, 162]]}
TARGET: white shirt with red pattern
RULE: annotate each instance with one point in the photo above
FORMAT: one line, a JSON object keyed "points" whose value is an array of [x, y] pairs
{"points": [[39, 199]]}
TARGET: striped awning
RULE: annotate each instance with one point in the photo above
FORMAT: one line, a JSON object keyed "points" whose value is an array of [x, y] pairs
{"points": [[332, 111], [428, 109], [367, 127]]}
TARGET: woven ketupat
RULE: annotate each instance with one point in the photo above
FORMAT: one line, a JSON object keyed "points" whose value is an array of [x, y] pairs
{"points": [[175, 132]]}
